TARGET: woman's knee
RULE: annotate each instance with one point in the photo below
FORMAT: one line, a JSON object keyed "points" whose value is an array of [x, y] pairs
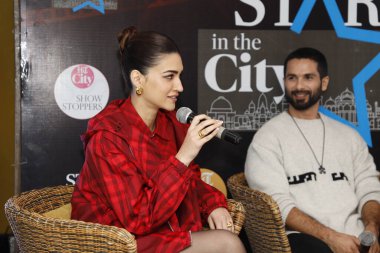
{"points": [[221, 241], [229, 242]]}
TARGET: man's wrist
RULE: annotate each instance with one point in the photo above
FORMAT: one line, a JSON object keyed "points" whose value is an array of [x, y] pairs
{"points": [[372, 227], [327, 235]]}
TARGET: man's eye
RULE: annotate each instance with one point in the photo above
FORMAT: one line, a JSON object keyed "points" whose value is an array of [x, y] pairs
{"points": [[290, 78]]}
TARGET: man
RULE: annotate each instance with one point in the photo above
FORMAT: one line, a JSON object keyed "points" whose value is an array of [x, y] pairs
{"points": [[318, 170]]}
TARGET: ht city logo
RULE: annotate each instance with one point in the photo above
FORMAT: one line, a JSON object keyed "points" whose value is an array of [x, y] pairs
{"points": [[359, 81]]}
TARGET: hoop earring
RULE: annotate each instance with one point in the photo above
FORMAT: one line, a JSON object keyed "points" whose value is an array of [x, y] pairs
{"points": [[139, 91]]}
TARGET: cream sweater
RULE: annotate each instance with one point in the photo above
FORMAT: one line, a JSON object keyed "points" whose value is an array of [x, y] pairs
{"points": [[280, 163]]}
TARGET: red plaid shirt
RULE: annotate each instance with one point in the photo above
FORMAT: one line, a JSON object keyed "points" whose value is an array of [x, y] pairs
{"points": [[131, 179]]}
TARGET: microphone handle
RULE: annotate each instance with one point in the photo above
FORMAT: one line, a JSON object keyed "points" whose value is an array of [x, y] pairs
{"points": [[222, 134], [226, 135], [190, 118], [364, 248]]}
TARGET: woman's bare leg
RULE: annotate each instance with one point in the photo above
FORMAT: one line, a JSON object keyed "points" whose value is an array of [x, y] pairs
{"points": [[220, 241]]}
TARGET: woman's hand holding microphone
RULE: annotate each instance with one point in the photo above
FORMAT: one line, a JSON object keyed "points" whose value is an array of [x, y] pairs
{"points": [[201, 130]]}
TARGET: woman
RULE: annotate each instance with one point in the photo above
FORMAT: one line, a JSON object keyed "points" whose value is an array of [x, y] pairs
{"points": [[138, 172]]}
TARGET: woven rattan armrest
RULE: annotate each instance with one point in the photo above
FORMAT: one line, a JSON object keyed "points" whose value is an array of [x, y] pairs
{"points": [[35, 232], [263, 222]]}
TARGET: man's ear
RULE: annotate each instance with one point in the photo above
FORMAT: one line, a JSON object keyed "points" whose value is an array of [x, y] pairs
{"points": [[136, 78], [325, 83]]}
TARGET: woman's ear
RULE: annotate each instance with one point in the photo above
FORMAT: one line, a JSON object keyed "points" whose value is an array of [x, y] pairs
{"points": [[136, 78]]}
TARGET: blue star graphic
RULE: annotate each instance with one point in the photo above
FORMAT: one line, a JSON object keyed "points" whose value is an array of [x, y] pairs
{"points": [[99, 7], [362, 77]]}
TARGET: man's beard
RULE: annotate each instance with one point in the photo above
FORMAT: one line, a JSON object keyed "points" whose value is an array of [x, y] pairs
{"points": [[300, 104]]}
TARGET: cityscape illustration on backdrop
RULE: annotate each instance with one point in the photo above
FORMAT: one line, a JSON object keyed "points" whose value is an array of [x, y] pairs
{"points": [[260, 111]]}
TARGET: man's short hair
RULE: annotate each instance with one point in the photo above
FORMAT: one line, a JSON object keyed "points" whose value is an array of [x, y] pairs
{"points": [[312, 54]]}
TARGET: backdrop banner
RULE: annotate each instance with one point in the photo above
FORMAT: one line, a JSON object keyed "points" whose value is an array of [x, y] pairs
{"points": [[233, 53]]}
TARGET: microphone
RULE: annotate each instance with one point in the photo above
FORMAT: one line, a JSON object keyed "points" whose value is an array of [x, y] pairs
{"points": [[186, 115], [366, 239]]}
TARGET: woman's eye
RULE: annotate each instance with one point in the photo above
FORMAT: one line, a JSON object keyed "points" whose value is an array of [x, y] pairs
{"points": [[169, 77]]}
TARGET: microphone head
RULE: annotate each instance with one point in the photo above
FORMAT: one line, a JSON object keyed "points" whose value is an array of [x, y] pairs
{"points": [[367, 238], [183, 114]]}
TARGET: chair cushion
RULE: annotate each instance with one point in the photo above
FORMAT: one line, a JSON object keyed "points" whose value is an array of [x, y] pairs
{"points": [[62, 212]]}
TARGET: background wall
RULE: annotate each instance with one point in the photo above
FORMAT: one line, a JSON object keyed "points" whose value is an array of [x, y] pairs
{"points": [[233, 69], [55, 38], [7, 95]]}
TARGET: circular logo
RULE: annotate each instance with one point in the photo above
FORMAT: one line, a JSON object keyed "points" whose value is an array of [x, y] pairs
{"points": [[82, 76], [212, 178], [81, 91]]}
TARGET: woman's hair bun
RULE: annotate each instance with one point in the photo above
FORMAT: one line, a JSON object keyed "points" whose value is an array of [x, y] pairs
{"points": [[124, 36]]}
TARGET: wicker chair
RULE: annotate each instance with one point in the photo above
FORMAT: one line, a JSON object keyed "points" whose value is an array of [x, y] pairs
{"points": [[263, 224], [38, 227]]}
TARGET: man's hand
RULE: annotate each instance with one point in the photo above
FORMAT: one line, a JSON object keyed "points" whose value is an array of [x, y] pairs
{"points": [[338, 242], [342, 243], [375, 248], [371, 220]]}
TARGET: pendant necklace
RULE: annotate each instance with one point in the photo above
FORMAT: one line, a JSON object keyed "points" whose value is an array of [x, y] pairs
{"points": [[321, 169]]}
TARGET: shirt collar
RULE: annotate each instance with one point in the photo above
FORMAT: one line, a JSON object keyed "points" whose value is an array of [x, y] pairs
{"points": [[134, 118]]}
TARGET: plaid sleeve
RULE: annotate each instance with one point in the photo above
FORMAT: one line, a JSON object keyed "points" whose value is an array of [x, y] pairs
{"points": [[209, 198]]}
